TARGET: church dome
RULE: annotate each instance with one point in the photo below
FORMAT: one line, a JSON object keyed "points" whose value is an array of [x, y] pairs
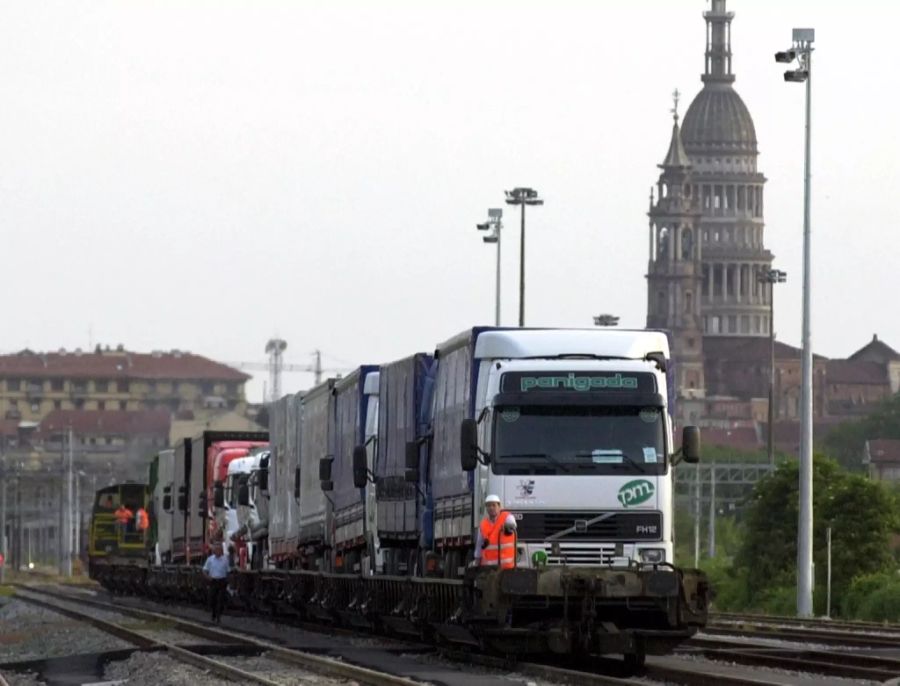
{"points": [[718, 122]]}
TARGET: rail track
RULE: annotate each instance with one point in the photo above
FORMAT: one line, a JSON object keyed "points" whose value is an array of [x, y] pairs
{"points": [[862, 637], [296, 659], [843, 664], [701, 672], [817, 622]]}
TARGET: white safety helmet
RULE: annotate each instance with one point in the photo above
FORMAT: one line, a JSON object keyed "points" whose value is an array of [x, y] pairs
{"points": [[492, 498]]}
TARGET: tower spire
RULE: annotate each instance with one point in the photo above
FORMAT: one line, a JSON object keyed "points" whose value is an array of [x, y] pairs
{"points": [[718, 43], [676, 156]]}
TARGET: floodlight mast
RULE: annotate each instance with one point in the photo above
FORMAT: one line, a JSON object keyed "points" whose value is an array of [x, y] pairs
{"points": [[801, 51], [522, 197]]}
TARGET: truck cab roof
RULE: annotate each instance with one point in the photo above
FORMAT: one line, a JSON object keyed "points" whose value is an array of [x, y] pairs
{"points": [[548, 343]]}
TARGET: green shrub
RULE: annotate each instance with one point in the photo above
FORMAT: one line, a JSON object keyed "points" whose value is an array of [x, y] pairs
{"points": [[861, 589], [883, 605]]}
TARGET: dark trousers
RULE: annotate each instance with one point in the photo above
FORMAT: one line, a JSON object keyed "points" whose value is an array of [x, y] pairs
{"points": [[218, 590]]}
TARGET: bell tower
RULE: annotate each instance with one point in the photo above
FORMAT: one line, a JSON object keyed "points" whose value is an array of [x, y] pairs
{"points": [[675, 274]]}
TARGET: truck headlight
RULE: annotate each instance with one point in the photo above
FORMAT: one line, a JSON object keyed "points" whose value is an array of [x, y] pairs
{"points": [[653, 555]]}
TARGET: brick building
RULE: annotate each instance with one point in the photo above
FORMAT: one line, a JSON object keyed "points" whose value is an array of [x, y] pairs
{"points": [[32, 384]]}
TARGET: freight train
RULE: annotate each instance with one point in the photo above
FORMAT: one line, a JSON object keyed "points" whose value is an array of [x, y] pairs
{"points": [[360, 505]]}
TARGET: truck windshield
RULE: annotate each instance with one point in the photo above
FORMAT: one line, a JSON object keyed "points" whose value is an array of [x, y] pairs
{"points": [[578, 440]]}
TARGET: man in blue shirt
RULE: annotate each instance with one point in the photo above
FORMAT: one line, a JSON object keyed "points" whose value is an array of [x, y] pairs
{"points": [[215, 571]]}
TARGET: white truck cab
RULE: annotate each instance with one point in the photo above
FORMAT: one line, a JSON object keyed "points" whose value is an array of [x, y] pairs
{"points": [[574, 434]]}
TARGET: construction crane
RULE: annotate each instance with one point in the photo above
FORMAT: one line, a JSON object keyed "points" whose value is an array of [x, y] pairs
{"points": [[276, 365]]}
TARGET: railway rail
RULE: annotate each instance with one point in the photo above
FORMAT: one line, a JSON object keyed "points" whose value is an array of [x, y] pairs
{"points": [[818, 622], [295, 658], [702, 672], [862, 638], [843, 664]]}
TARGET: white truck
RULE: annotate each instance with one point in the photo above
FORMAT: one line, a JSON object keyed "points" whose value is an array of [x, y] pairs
{"points": [[572, 429]]}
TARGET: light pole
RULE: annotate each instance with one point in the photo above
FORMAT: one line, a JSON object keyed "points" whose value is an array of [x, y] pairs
{"points": [[495, 224], [606, 320], [801, 51], [771, 277], [522, 197]]}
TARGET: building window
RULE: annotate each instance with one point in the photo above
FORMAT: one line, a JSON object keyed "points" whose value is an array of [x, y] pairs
{"points": [[101, 405], [57, 404], [79, 403], [101, 386], [35, 407], [123, 405], [57, 384], [732, 323], [14, 384], [687, 244], [122, 386]]}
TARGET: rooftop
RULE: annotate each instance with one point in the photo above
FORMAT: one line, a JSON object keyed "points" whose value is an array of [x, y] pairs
{"points": [[106, 422], [881, 450], [116, 364]]}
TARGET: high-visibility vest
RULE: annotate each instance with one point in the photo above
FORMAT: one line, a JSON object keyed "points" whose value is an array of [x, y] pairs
{"points": [[123, 514], [142, 520], [501, 547]]}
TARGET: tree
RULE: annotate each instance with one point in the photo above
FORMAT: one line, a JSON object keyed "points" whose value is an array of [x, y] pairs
{"points": [[861, 513]]}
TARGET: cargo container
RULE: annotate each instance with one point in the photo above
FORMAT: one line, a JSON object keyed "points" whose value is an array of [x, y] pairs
{"points": [[316, 441], [354, 397], [282, 486], [404, 398]]}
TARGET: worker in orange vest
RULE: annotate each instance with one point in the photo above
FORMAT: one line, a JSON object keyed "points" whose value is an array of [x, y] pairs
{"points": [[123, 515], [142, 520], [496, 542]]}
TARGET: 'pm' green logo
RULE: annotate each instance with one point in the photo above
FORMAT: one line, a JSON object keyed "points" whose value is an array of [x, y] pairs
{"points": [[636, 492]]}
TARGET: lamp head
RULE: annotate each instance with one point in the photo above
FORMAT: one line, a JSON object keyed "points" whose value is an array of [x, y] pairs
{"points": [[786, 56], [796, 75]]}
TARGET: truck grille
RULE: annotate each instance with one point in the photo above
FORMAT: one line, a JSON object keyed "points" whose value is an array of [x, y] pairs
{"points": [[576, 556], [621, 526]]}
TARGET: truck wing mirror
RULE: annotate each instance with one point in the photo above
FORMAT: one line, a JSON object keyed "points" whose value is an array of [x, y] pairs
{"points": [[297, 483], [263, 477], [243, 495], [218, 494], [325, 468], [468, 444], [360, 466], [182, 499], [690, 444], [203, 503], [412, 463], [167, 502], [412, 455]]}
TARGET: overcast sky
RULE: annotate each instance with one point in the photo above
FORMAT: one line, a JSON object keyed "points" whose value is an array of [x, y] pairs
{"points": [[206, 175]]}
